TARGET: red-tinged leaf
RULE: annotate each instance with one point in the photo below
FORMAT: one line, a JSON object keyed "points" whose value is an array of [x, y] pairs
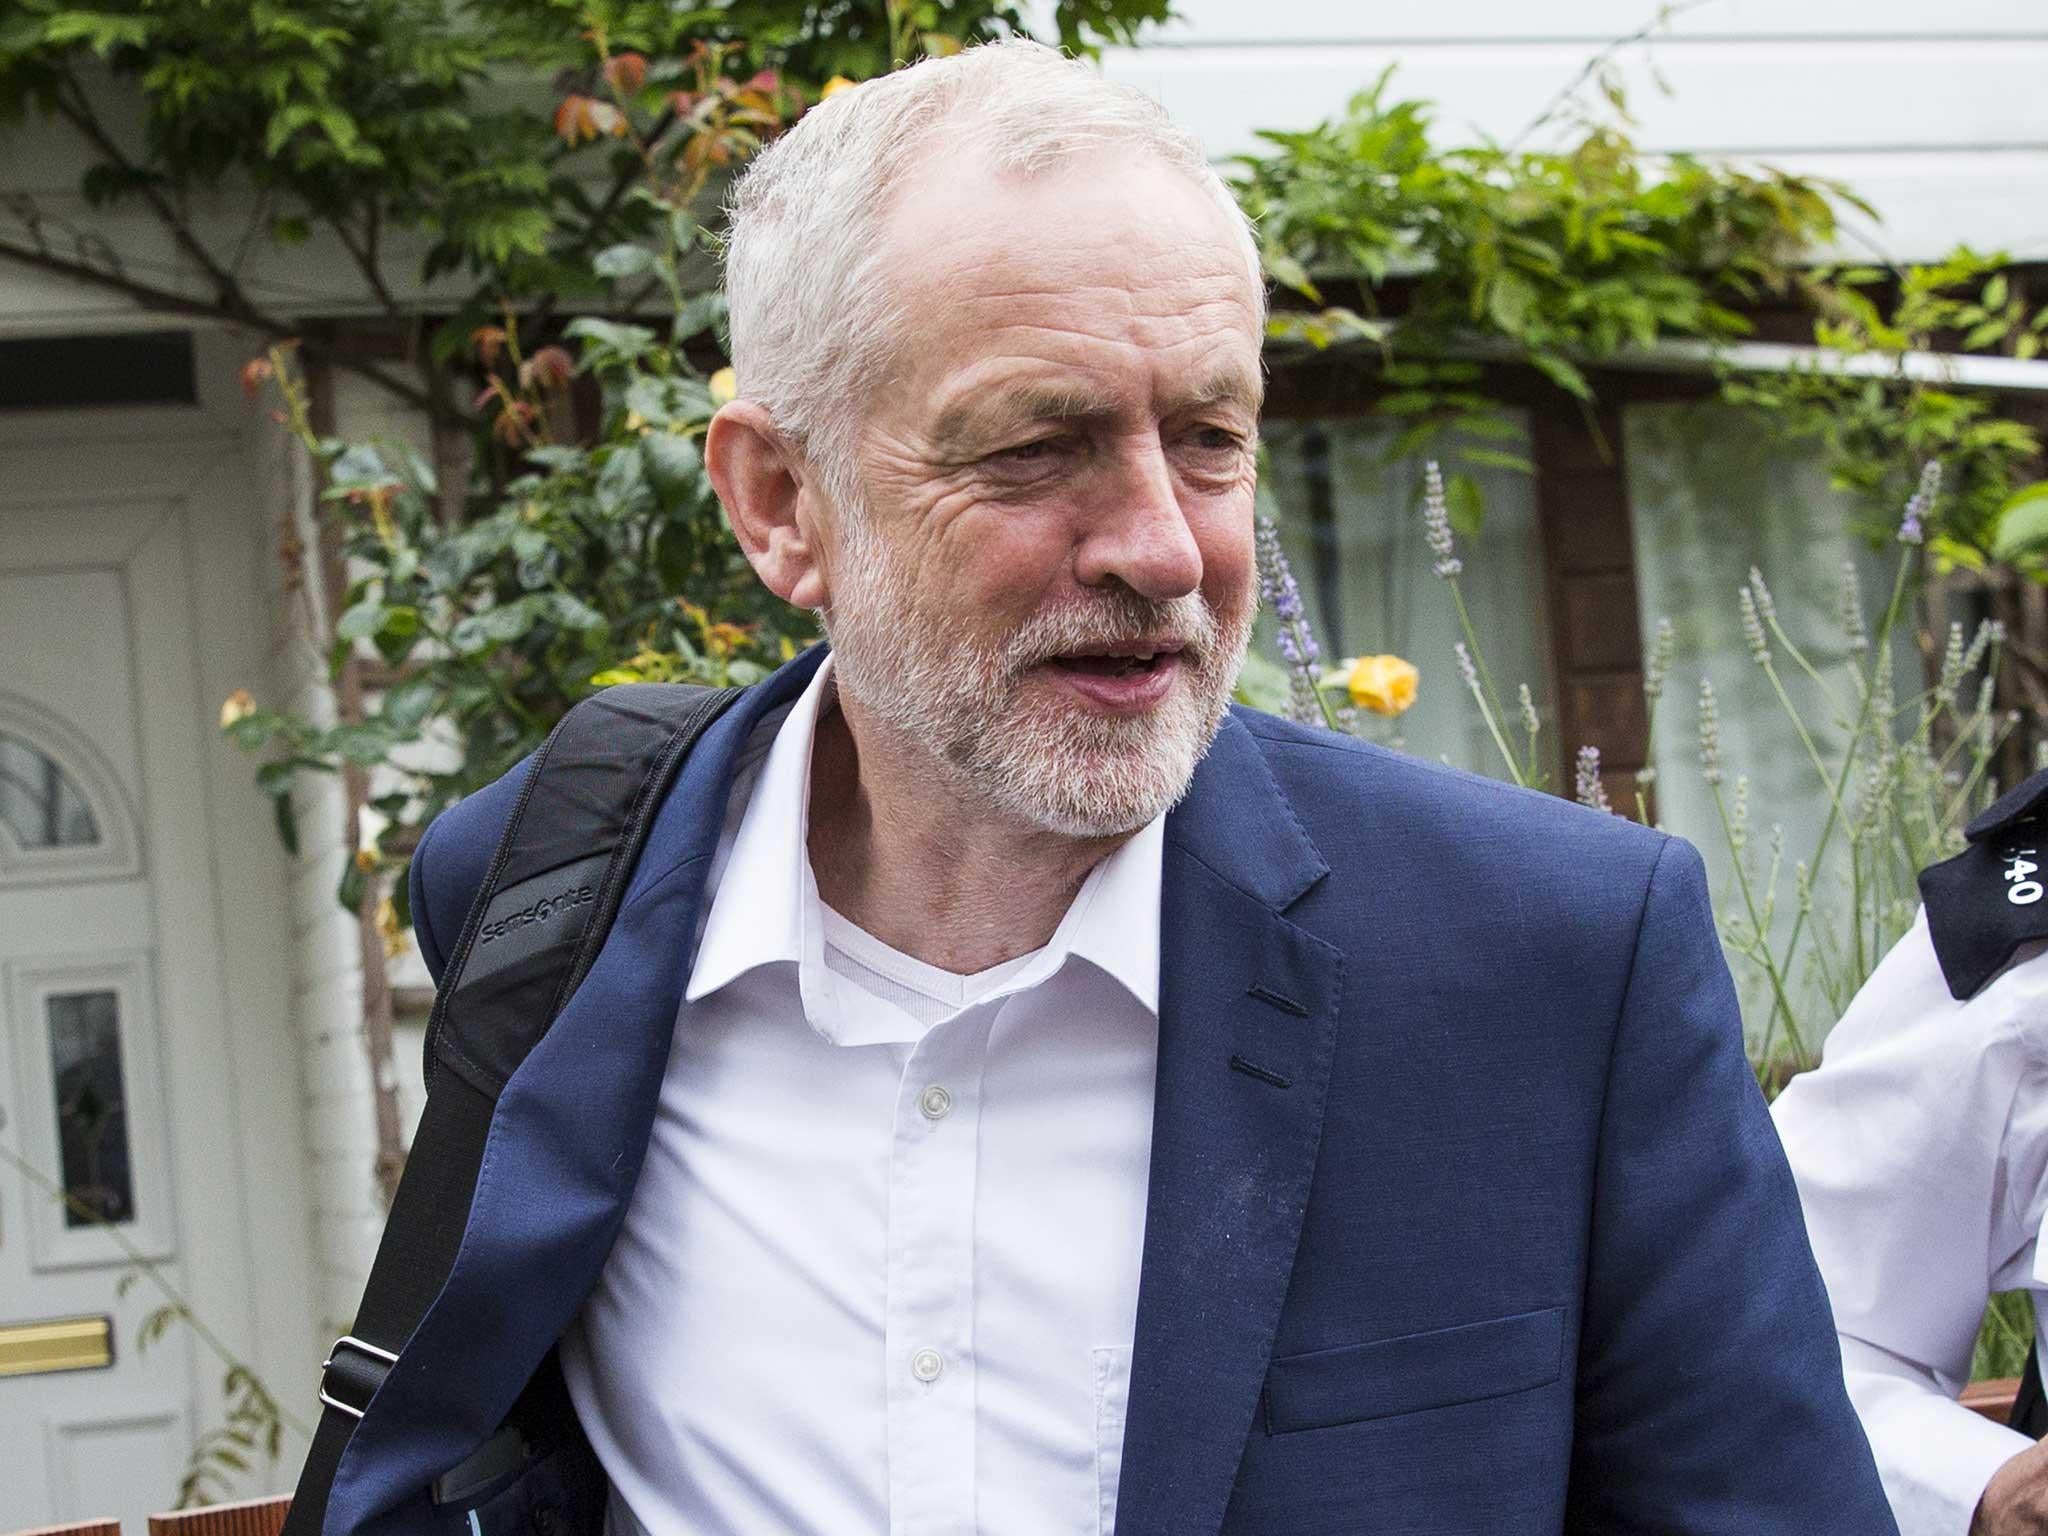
{"points": [[583, 117], [489, 341], [551, 367], [257, 372], [685, 102], [626, 72], [768, 82], [513, 423]]}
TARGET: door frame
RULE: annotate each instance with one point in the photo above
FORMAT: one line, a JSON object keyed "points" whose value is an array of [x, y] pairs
{"points": [[195, 492]]}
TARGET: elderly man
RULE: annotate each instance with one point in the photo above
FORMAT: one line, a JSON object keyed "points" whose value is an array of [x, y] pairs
{"points": [[1020, 1094]]}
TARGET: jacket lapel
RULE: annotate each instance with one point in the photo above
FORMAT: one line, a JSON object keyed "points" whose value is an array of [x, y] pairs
{"points": [[1248, 1012], [560, 1161]]}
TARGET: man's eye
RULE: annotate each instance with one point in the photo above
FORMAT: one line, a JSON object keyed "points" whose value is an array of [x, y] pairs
{"points": [[1029, 453], [1217, 438]]}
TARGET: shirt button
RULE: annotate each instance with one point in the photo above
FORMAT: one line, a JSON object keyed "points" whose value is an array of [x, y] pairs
{"points": [[926, 1364], [936, 1102]]}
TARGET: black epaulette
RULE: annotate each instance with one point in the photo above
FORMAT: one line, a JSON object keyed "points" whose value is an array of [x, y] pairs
{"points": [[1991, 898]]}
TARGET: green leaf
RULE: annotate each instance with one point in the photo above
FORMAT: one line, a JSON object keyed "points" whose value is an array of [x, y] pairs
{"points": [[2021, 527], [1498, 459], [622, 489], [98, 30], [1561, 373], [1467, 505], [361, 621], [674, 467], [571, 612], [349, 892], [697, 314], [1987, 334], [1290, 273], [609, 343], [1510, 301], [494, 626], [625, 260], [367, 742], [395, 636]]}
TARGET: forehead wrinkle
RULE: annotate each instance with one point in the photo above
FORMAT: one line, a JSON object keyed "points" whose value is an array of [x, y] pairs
{"points": [[1149, 301]]}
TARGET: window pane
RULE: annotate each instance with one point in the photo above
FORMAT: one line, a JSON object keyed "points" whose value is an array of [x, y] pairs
{"points": [[1351, 523], [38, 801], [1712, 494], [92, 1107]]}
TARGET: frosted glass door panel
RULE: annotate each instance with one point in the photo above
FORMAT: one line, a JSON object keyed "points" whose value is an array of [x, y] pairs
{"points": [[1352, 527], [1713, 495]]}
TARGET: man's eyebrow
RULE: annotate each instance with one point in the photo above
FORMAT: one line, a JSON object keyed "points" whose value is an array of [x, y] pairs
{"points": [[1018, 407], [1030, 404], [1227, 388]]}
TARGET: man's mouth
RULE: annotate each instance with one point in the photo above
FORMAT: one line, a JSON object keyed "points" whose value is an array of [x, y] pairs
{"points": [[1121, 661]]}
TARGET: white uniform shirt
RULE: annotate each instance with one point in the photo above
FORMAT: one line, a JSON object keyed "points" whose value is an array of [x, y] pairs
{"points": [[880, 1270], [1920, 1146]]}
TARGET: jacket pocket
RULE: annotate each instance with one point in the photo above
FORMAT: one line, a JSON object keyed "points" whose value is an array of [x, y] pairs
{"points": [[1414, 1372]]}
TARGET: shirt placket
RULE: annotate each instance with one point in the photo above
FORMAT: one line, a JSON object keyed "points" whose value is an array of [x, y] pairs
{"points": [[929, 1330]]}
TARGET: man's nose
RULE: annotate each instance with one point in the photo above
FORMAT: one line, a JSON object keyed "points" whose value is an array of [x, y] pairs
{"points": [[1137, 532]]}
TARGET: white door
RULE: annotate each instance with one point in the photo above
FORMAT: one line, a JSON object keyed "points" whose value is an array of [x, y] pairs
{"points": [[119, 1078]]}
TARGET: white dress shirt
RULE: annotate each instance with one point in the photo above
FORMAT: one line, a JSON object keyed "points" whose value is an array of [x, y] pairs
{"points": [[880, 1269], [1920, 1146]]}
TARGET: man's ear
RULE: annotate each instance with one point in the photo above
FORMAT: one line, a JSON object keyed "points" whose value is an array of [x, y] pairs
{"points": [[770, 499]]}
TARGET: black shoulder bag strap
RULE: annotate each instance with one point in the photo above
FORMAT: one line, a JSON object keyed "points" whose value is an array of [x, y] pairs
{"points": [[2030, 1404], [532, 933]]}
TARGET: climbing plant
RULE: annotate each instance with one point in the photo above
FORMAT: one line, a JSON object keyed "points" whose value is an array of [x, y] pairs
{"points": [[1423, 262]]}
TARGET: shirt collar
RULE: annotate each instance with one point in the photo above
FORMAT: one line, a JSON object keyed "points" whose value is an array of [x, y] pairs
{"points": [[766, 908], [757, 912]]}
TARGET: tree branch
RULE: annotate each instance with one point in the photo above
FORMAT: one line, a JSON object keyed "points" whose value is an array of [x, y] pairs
{"points": [[71, 105], [364, 255], [624, 182]]}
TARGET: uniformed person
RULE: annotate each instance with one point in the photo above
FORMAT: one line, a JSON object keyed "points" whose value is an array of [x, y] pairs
{"points": [[1920, 1146]]}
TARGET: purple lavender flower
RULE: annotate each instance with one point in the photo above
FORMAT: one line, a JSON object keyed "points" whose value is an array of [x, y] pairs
{"points": [[1470, 671], [1292, 634], [1591, 792], [1436, 522], [1913, 526]]}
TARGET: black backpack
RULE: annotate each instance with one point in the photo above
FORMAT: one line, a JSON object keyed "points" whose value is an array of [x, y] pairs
{"points": [[535, 927]]}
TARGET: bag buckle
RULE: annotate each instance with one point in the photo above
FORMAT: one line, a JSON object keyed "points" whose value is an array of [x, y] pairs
{"points": [[363, 1367]]}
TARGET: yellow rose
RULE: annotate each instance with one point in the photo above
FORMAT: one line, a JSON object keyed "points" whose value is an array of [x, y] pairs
{"points": [[1383, 684], [835, 85], [237, 707], [388, 928], [724, 385]]}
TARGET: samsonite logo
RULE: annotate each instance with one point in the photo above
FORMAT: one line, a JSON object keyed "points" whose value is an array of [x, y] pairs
{"points": [[539, 912]]}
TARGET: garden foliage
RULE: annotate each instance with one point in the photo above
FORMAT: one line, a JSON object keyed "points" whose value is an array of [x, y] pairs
{"points": [[1423, 262]]}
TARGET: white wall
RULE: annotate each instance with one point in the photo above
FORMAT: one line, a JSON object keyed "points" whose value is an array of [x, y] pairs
{"points": [[1936, 114]]}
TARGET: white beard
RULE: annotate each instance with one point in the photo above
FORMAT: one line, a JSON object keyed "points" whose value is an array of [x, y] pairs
{"points": [[962, 699]]}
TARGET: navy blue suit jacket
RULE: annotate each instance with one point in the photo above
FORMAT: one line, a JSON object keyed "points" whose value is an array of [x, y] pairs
{"points": [[1465, 1212]]}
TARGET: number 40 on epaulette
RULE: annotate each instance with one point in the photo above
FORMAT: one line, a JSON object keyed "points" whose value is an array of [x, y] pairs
{"points": [[2023, 890]]}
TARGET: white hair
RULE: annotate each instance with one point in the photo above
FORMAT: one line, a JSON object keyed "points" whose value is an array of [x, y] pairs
{"points": [[811, 310]]}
